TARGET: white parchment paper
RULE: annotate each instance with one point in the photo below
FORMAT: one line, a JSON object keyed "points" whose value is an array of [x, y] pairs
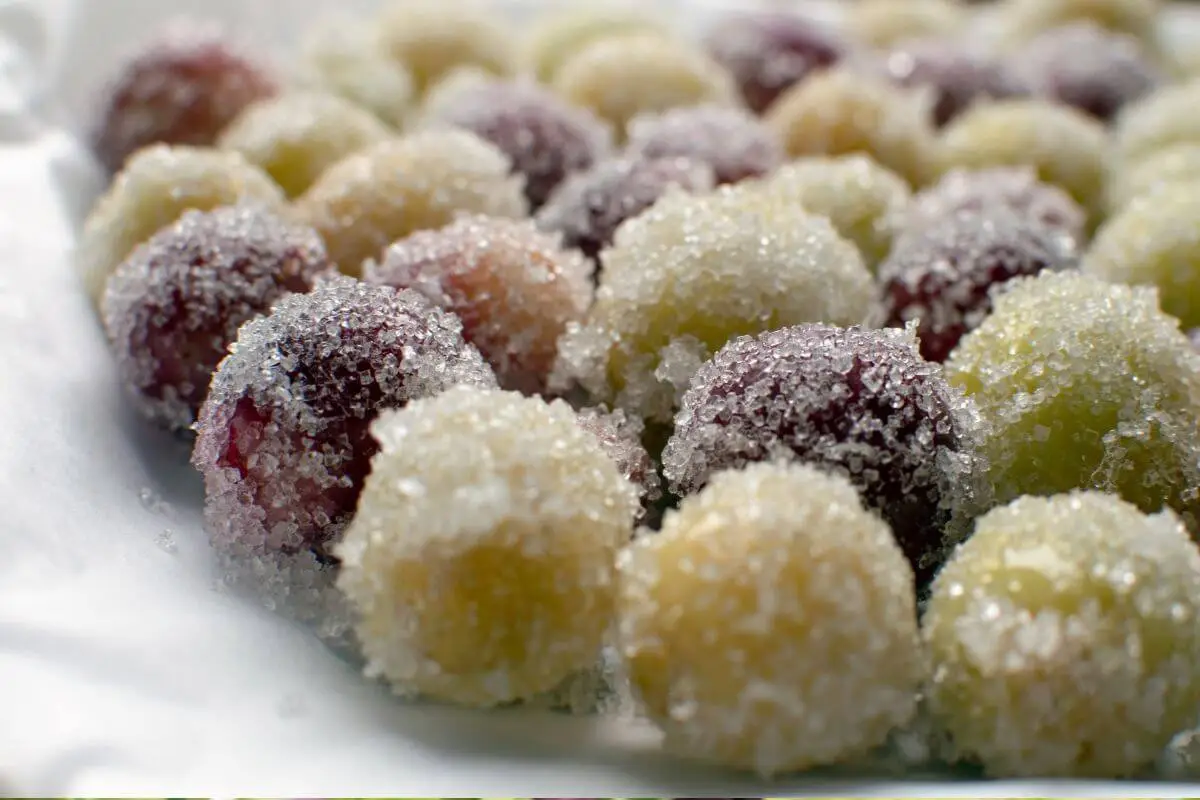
{"points": [[122, 670]]}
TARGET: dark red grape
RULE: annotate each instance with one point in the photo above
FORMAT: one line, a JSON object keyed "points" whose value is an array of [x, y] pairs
{"points": [[736, 144]]}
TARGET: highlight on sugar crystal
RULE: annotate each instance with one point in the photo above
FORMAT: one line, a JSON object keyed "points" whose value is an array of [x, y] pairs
{"points": [[734, 142], [1063, 638], [691, 273], [294, 137], [859, 403], [882, 23], [1086, 385], [423, 180], [557, 34], [283, 438], [1175, 164], [481, 562], [173, 307], [843, 112], [719, 637], [154, 188], [618, 78]]}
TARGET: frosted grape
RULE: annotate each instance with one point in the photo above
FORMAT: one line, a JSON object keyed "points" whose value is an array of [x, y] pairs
{"points": [[735, 143]]}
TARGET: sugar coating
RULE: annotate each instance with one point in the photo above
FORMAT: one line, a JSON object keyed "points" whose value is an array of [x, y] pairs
{"points": [[1088, 67], [1086, 385], [690, 273], [866, 203], [1016, 189], [1163, 118], [1146, 176], [545, 138], [341, 55], [172, 308], [283, 440], [943, 276], [157, 185], [1063, 637], [734, 142], [181, 87], [1022, 20], [1063, 145], [842, 112], [882, 23], [767, 51], [481, 561], [1155, 241], [958, 73], [559, 33], [432, 37], [587, 208], [423, 180], [771, 624], [620, 77], [295, 137], [860, 403], [621, 437], [514, 288]]}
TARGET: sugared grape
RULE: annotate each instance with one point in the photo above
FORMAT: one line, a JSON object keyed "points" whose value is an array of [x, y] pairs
{"points": [[943, 276], [558, 34], [690, 273], [481, 559], [735, 143], [156, 186], [769, 51], [295, 137], [884, 23], [623, 76], [860, 403], [1085, 384], [370, 199], [545, 138], [514, 288], [1165, 168], [1063, 638], [620, 436], [1022, 20], [182, 88], [587, 208], [771, 624], [174, 306], [842, 112], [1167, 117]]}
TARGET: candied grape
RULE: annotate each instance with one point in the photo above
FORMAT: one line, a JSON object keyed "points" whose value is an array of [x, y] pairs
{"points": [[481, 562], [865, 202], [1155, 241], [943, 276], [559, 34], [1022, 20], [1161, 119], [1165, 168], [771, 624], [514, 288], [861, 403], [841, 112], [1088, 67], [295, 137], [587, 208], [1086, 385], [283, 438], [370, 199], [1063, 145], [432, 37], [735, 143], [692, 272], [342, 56], [959, 75], [1016, 189], [623, 76], [621, 437], [545, 138], [884, 23], [768, 51], [174, 306], [157, 185], [1063, 637], [183, 88]]}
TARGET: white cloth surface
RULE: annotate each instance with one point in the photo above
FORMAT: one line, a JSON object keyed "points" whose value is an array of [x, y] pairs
{"points": [[122, 670]]}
